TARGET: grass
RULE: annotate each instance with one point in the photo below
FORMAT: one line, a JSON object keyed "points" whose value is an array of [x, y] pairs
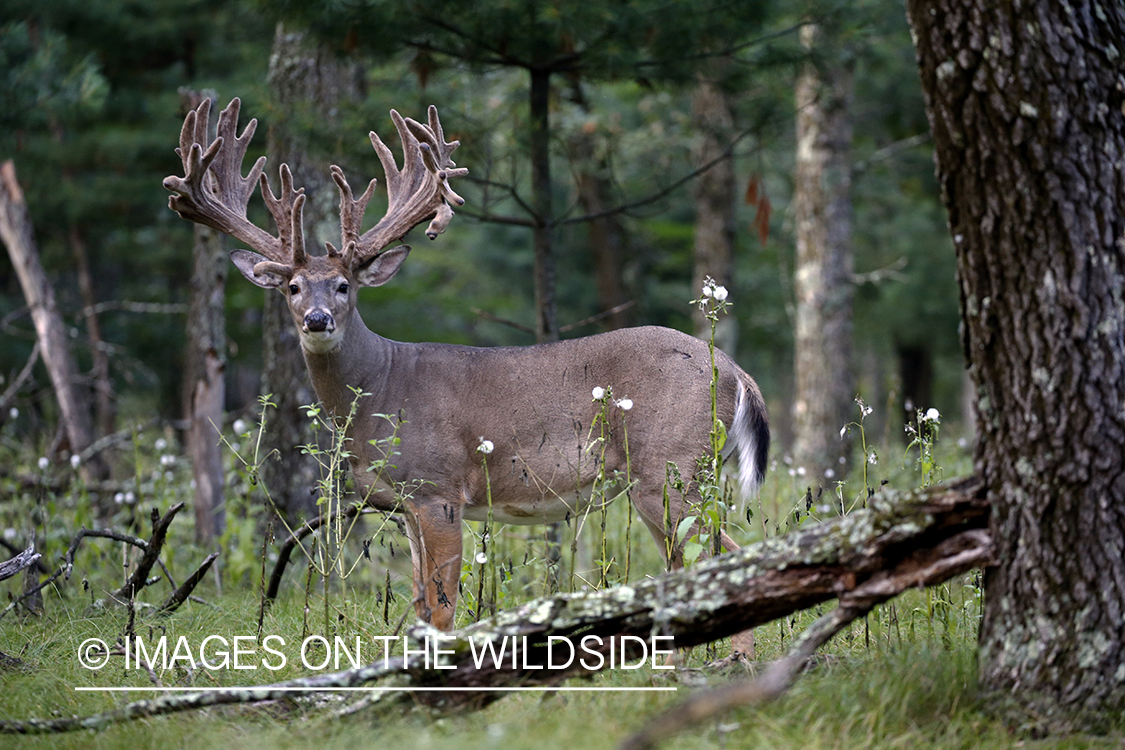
{"points": [[915, 694], [902, 678]]}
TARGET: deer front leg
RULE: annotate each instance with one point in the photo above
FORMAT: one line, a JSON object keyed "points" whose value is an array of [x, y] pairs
{"points": [[434, 529]]}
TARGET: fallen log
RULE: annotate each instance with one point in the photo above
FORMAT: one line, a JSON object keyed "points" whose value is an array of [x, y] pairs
{"points": [[901, 540]]}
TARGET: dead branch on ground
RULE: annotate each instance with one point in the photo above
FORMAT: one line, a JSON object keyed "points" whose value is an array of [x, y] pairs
{"points": [[150, 556]]}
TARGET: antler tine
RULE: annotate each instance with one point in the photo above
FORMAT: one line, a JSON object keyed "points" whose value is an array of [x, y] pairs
{"points": [[287, 210], [212, 191], [351, 211], [418, 191]]}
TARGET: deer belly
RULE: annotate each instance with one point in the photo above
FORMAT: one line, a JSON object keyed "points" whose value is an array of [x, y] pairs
{"points": [[527, 511]]}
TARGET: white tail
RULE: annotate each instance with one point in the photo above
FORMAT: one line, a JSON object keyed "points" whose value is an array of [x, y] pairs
{"points": [[533, 404]]}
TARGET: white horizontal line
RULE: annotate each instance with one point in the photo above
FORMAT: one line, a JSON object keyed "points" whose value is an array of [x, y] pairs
{"points": [[375, 689]]}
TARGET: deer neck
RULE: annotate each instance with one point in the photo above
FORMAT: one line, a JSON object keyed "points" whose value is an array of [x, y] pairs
{"points": [[360, 361]]}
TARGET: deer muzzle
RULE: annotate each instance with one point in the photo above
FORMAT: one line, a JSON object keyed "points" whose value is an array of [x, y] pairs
{"points": [[319, 321]]}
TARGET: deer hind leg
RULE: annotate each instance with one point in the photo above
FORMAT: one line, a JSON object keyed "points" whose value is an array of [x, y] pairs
{"points": [[663, 519], [434, 530], [663, 522]]}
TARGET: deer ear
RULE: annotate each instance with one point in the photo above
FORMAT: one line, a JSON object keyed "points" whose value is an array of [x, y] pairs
{"points": [[259, 270], [382, 268]]}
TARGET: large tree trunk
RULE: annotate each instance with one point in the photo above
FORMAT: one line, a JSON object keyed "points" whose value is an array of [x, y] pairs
{"points": [[304, 79], [16, 231], [714, 194], [823, 278], [204, 387], [1025, 104]]}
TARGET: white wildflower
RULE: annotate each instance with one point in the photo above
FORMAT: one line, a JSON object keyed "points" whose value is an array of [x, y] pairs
{"points": [[872, 459], [44, 462], [75, 459], [240, 427], [481, 558], [932, 415], [486, 446], [598, 393], [161, 444], [625, 404], [13, 413], [708, 290], [167, 460], [720, 294], [792, 472], [829, 473], [119, 498], [843, 431], [962, 443], [130, 498], [842, 460], [10, 533], [801, 471]]}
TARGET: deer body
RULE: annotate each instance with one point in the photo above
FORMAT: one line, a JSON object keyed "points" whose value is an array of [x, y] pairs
{"points": [[533, 404]]}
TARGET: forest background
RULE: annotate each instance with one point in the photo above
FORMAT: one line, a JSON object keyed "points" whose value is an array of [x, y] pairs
{"points": [[90, 108]]}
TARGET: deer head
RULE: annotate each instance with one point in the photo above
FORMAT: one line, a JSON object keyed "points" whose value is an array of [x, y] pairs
{"points": [[321, 289]]}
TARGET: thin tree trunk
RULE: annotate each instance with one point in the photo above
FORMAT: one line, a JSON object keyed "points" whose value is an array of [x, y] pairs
{"points": [[606, 236], [104, 408], [204, 386], [1025, 104], [822, 280], [546, 312], [714, 194], [16, 231], [916, 373], [303, 78]]}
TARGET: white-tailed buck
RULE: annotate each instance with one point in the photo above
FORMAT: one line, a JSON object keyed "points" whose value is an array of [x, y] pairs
{"points": [[533, 404]]}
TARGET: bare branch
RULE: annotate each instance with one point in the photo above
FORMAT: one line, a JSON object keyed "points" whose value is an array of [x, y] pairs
{"points": [[294, 539], [181, 594], [139, 579], [17, 383]]}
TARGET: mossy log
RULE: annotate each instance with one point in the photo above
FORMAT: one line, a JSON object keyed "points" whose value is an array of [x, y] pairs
{"points": [[901, 540]]}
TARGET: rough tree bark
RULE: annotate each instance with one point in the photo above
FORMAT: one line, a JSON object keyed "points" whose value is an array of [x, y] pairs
{"points": [[714, 195], [304, 78], [1025, 102], [16, 232], [204, 386], [823, 276]]}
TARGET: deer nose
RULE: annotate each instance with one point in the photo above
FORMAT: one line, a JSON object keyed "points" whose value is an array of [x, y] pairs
{"points": [[318, 321]]}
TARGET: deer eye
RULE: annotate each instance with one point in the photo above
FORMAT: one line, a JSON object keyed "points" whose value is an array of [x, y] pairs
{"points": [[294, 289], [342, 289]]}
